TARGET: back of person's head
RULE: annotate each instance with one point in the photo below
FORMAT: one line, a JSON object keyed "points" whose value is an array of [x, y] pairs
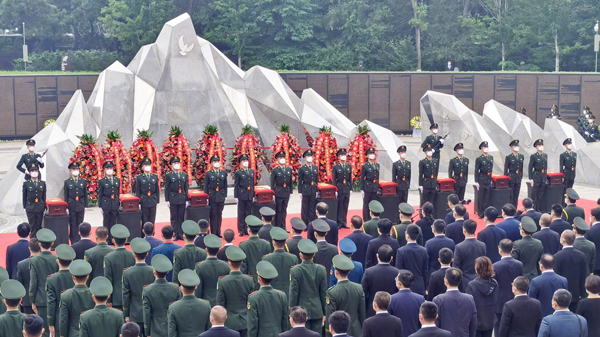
{"points": [[446, 255], [102, 232], [218, 315], [229, 235], [148, 228], [453, 199], [491, 213], [384, 225], [460, 210], [562, 297], [439, 226], [545, 220], [557, 210], [412, 231], [23, 229], [596, 213], [84, 229], [506, 245], [527, 203], [547, 261], [130, 329], [568, 236], [298, 315], [427, 209], [521, 283], [470, 226], [203, 223], [322, 208], [454, 276], [592, 284], [356, 222], [483, 267], [382, 299], [167, 232], [406, 277], [385, 253], [429, 311], [33, 326], [34, 245], [509, 209], [339, 321]]}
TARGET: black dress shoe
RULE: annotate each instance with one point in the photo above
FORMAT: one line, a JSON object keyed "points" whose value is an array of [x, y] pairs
{"points": [[219, 235], [241, 234], [480, 216]]}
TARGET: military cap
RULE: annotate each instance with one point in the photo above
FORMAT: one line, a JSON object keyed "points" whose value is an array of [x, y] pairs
{"points": [[108, 164], [119, 231], [30, 142], [528, 224], [74, 166], [215, 158], [306, 246], [370, 150], [101, 286], [572, 194], [12, 290], [458, 146], [427, 147], [321, 226], [341, 152], [212, 241], [402, 148], [279, 234], [342, 262], [33, 167], [253, 221], [514, 143], [80, 268], [140, 246], [568, 141], [406, 208], [4, 274], [190, 227], [235, 253], [307, 153], [298, 224], [268, 211], [483, 144], [65, 252], [175, 160], [146, 161], [203, 223], [375, 206], [347, 246], [161, 263], [45, 235], [580, 224], [280, 154], [538, 142], [243, 157], [266, 270], [523, 110], [433, 126], [188, 278]]}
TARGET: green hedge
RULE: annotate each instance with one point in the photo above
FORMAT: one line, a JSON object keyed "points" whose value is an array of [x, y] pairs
{"points": [[81, 60]]}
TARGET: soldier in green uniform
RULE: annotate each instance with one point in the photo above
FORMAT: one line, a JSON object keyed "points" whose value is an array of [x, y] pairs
{"points": [[458, 169], [281, 260], [243, 192], [370, 227], [267, 215], [95, 255], [76, 300], [11, 322], [254, 248], [308, 180], [298, 226], [76, 197], [435, 141], [3, 277], [401, 173], [57, 283], [347, 296], [342, 179], [538, 174], [406, 212], [215, 185], [568, 164], [428, 173], [369, 182], [23, 275], [116, 262], [513, 168], [134, 280], [39, 268], [528, 250], [176, 195], [308, 286], [157, 296], [571, 211], [189, 255], [189, 316], [101, 321], [29, 158], [267, 307], [210, 270], [146, 188], [34, 199], [282, 185], [484, 165], [587, 247], [109, 190], [233, 291]]}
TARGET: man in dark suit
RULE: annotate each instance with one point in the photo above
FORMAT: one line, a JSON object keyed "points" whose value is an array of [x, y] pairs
{"points": [[528, 250], [571, 263], [361, 240], [543, 287], [563, 322], [455, 230], [291, 246], [266, 215], [228, 235], [434, 245], [521, 316], [460, 323], [467, 251], [18, 251], [428, 313], [491, 235], [332, 233], [549, 238], [527, 210], [436, 280], [505, 270], [84, 242], [339, 322], [298, 317], [587, 247], [594, 235], [218, 315], [510, 225], [383, 228], [326, 251], [558, 224], [453, 200], [405, 304], [382, 324], [414, 258], [380, 277], [204, 231], [154, 242]]}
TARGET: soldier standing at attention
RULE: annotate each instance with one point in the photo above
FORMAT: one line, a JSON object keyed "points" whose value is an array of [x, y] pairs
{"points": [[254, 248], [513, 168], [428, 173], [370, 227], [11, 322], [57, 283], [568, 164], [282, 185], [267, 215], [243, 193], [369, 182], [538, 174], [40, 267], [436, 142], [342, 179], [233, 291], [117, 261], [210, 270], [572, 211], [29, 158], [281, 260], [109, 189], [146, 188], [458, 169], [101, 321], [298, 226], [401, 173], [76, 197], [95, 255], [308, 180], [215, 185], [484, 165], [189, 316], [76, 300], [134, 280], [176, 195], [189, 255], [23, 275], [157, 296], [267, 307], [34, 199]]}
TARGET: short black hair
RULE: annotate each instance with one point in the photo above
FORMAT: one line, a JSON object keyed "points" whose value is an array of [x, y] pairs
{"points": [[148, 228], [506, 245], [229, 235], [102, 232], [454, 276], [23, 229], [384, 225], [446, 255], [509, 209], [412, 231], [453, 199], [46, 245], [101, 299], [141, 256], [160, 275], [596, 213], [470, 226], [298, 315], [188, 290], [356, 222], [319, 233], [254, 229], [130, 329], [491, 213], [527, 203], [439, 226], [267, 218], [406, 277], [547, 261], [64, 263], [167, 232], [212, 251], [322, 208], [383, 299], [428, 309], [571, 200], [33, 325], [189, 237], [236, 264], [522, 284], [84, 229], [562, 297], [34, 245], [120, 242], [12, 302], [557, 209], [81, 279], [460, 210], [375, 214], [339, 321], [592, 284], [385, 253]]}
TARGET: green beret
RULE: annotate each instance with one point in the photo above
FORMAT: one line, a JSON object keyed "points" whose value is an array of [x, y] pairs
{"points": [[321, 226], [119, 231], [65, 252], [572, 194], [528, 224], [266, 270], [190, 227], [581, 224], [306, 246], [161, 263], [235, 253], [3, 274], [101, 286], [268, 211], [212, 241], [253, 221], [298, 224], [46, 235], [375, 206], [280, 234], [80, 268], [342, 262], [406, 208], [188, 278], [140, 246], [12, 290]]}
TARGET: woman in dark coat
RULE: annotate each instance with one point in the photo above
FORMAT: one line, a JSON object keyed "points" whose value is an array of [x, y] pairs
{"points": [[484, 289], [589, 307], [426, 221]]}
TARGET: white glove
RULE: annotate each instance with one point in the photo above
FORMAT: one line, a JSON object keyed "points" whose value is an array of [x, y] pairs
{"points": [[24, 210], [207, 203], [300, 196], [140, 206], [169, 204], [421, 189], [531, 182], [432, 150], [67, 211], [317, 195], [363, 193], [101, 211], [442, 140], [187, 204], [237, 201], [40, 160], [336, 195], [477, 185]]}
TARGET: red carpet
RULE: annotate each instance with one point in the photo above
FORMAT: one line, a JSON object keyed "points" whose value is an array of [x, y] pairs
{"points": [[231, 223]]}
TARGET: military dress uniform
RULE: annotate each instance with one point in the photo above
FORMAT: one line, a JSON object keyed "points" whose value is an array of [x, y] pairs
{"points": [[572, 211], [538, 172], [308, 180], [77, 199], [342, 179], [56, 284], [436, 142], [189, 255], [267, 307], [11, 322], [134, 280], [282, 185], [176, 195], [209, 271], [243, 191], [254, 248], [3, 277], [114, 264], [513, 168], [215, 185], [101, 321], [156, 298], [568, 165], [146, 188], [75, 301], [401, 174], [109, 190], [28, 159], [484, 165], [23, 278], [458, 169], [95, 256], [34, 201], [428, 173], [40, 267], [369, 184], [188, 316], [282, 261]]}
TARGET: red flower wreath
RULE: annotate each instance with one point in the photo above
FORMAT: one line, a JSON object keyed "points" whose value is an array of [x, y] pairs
{"points": [[287, 143], [209, 145], [144, 147], [357, 148], [114, 151], [248, 143], [176, 146], [90, 161], [325, 150]]}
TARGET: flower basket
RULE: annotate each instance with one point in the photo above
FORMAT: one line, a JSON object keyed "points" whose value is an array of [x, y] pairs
{"points": [[176, 145], [90, 160], [287, 143], [210, 144], [248, 143], [356, 151], [144, 147], [325, 150], [114, 151]]}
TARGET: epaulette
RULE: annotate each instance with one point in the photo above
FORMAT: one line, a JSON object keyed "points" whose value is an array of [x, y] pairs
{"points": [[178, 249], [172, 302], [147, 285], [294, 266], [220, 277], [126, 268], [204, 299], [64, 291], [197, 263], [266, 254], [331, 288], [50, 275], [117, 309], [252, 293], [250, 276]]}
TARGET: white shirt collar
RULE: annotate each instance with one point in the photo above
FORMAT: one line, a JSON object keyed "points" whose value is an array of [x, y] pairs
{"points": [[340, 334], [506, 257], [322, 216], [443, 267], [469, 237], [411, 242], [440, 234], [520, 295], [545, 228], [579, 237], [548, 271], [595, 222], [427, 326], [323, 240], [456, 219], [381, 312], [560, 310], [299, 326], [529, 209], [84, 239], [217, 326], [567, 247], [509, 217], [228, 244], [23, 239], [451, 290], [490, 224]]}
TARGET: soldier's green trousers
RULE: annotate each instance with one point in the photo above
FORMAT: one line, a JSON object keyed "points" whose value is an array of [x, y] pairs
{"points": [[315, 325], [43, 313]]}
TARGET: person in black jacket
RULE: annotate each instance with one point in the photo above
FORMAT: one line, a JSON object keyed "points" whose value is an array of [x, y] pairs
{"points": [[491, 235], [382, 324], [360, 239], [218, 315], [384, 226], [485, 293], [84, 242], [401, 173], [467, 251], [427, 316], [18, 251], [594, 235], [426, 221], [558, 224], [438, 242], [521, 316], [146, 188], [342, 179], [505, 270], [298, 317], [436, 280], [550, 239], [571, 263], [414, 258], [321, 213], [380, 277]]}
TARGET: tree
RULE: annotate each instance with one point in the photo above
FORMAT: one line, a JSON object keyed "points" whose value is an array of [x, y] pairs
{"points": [[420, 24]]}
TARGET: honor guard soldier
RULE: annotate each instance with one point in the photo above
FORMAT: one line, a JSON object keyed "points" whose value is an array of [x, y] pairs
{"points": [[40, 267], [76, 300], [401, 173], [146, 188], [189, 315], [57, 283], [254, 248], [281, 260], [95, 255], [484, 165], [29, 158], [215, 185], [76, 197], [513, 168], [210, 270], [308, 180], [370, 227], [34, 199], [176, 195], [342, 179], [267, 307], [587, 247], [282, 185], [134, 280], [572, 211], [157, 296], [109, 189], [101, 321], [233, 291], [428, 173], [189, 255], [298, 226], [264, 233], [369, 182], [436, 142], [11, 322], [117, 261], [458, 169], [538, 174], [243, 192], [568, 163]]}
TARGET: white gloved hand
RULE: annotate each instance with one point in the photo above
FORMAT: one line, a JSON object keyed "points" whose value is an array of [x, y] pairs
{"points": [[432, 150], [317, 195], [67, 211], [363, 193], [187, 204], [169, 204], [140, 206], [237, 201], [101, 211], [442, 140], [531, 182], [207, 203], [336, 194], [24, 210], [300, 196], [477, 185], [40, 160], [421, 189]]}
